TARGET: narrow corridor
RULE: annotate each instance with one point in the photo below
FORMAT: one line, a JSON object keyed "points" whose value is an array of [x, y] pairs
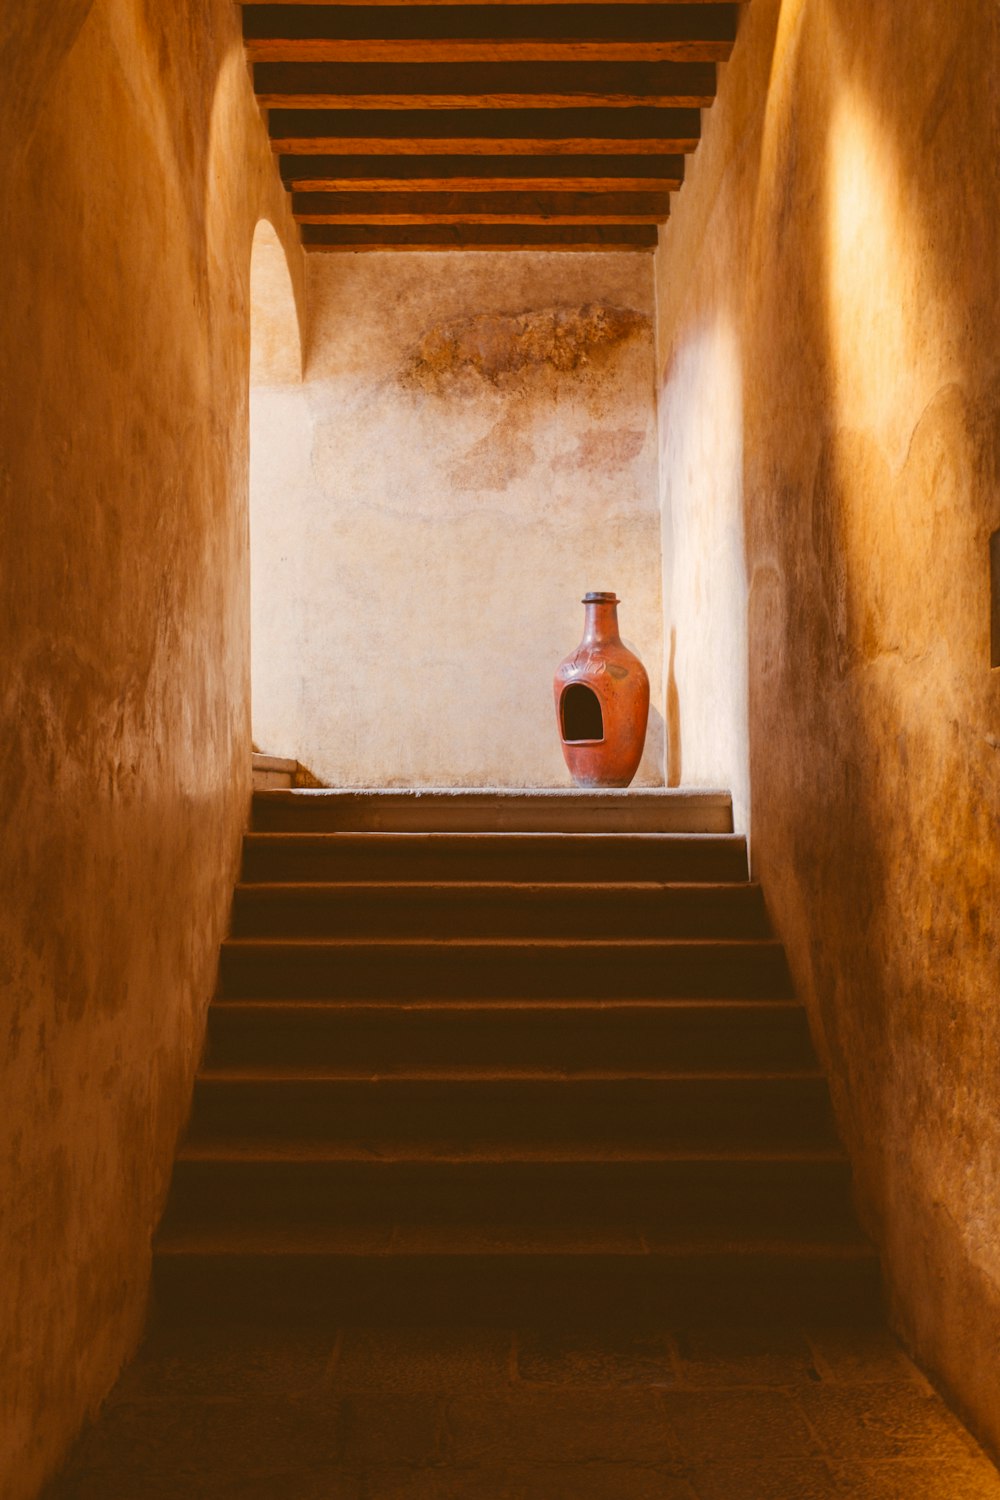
{"points": [[512, 1176]]}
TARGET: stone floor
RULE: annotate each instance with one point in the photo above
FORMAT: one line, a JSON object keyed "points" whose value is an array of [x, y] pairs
{"points": [[488, 1414]]}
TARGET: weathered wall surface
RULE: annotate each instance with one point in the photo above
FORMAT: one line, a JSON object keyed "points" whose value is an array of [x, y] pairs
{"points": [[833, 270], [473, 448], [135, 167]]}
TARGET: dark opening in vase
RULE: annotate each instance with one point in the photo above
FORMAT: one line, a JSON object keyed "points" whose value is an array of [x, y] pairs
{"points": [[580, 713]]}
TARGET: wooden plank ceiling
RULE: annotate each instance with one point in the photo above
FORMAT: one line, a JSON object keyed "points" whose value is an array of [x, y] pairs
{"points": [[505, 125]]}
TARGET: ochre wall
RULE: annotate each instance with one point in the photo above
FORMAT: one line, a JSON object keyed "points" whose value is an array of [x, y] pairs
{"points": [[135, 168], [472, 449], [832, 268]]}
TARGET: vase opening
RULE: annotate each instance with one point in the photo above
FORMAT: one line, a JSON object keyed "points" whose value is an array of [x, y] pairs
{"points": [[580, 714]]}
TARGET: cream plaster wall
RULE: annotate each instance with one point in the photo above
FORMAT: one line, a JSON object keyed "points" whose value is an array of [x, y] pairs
{"points": [[829, 356], [473, 448], [135, 167]]}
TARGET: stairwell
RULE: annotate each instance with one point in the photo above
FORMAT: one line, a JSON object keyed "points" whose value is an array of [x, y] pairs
{"points": [[492, 1055]]}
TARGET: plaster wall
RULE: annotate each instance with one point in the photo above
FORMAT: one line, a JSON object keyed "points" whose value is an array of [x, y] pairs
{"points": [[829, 371], [135, 168], [472, 449]]}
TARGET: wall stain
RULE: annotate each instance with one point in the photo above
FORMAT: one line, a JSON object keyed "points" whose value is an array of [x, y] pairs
{"points": [[494, 462], [502, 349], [603, 450]]}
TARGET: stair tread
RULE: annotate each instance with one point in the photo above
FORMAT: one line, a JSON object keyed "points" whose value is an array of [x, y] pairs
{"points": [[392, 1152], [457, 794], [488, 1003], [365, 837], [507, 1241], [253, 943], [262, 761], [310, 1073], [579, 889]]}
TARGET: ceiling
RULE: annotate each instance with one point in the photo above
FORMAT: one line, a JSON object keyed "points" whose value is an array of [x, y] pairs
{"points": [[443, 126]]}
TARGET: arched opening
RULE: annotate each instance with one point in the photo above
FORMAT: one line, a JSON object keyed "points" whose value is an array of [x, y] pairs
{"points": [[580, 714], [275, 409]]}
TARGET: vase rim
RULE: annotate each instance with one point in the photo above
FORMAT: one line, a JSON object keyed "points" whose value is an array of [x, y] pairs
{"points": [[596, 597]]}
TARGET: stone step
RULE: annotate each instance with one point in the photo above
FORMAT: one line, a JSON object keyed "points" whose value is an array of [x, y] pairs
{"points": [[478, 810], [636, 968], [738, 1192], [621, 1111], [392, 1035], [273, 772], [498, 909], [520, 1276], [532, 858]]}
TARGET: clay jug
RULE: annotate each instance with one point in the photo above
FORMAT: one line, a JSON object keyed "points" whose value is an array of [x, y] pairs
{"points": [[602, 701]]}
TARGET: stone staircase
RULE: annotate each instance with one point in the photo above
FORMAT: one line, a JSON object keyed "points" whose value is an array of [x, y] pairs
{"points": [[485, 1055]]}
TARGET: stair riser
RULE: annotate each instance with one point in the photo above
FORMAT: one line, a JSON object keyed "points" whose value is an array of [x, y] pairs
{"points": [[557, 859], [271, 781], [778, 1040], [686, 913], [594, 971], [630, 1112], [741, 1200], [486, 1289], [468, 813]]}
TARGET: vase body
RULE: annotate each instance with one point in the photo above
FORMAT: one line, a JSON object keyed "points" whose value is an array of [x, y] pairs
{"points": [[602, 701]]}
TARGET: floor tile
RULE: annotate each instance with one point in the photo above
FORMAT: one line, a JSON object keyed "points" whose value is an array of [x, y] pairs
{"points": [[715, 1425], [861, 1356], [884, 1422], [595, 1357], [795, 1479], [201, 1437], [378, 1429], [533, 1482], [599, 1482], [299, 1484], [560, 1427], [220, 1364], [460, 1360], [908, 1479], [733, 1355]]}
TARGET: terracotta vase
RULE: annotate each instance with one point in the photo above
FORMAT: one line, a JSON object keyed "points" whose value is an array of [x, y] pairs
{"points": [[602, 701]]}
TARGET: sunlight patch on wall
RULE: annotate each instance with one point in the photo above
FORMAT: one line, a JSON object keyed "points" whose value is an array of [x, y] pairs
{"points": [[704, 563], [872, 267]]}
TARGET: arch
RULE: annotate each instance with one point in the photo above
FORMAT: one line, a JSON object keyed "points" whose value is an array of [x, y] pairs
{"points": [[275, 340], [278, 432]]}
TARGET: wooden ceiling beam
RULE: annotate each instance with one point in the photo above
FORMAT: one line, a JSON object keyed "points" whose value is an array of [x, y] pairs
{"points": [[479, 237], [490, 33], [479, 208], [654, 174], [465, 132], [401, 4], [485, 86], [567, 50], [489, 184]]}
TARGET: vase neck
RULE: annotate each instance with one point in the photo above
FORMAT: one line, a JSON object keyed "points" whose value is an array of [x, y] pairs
{"points": [[600, 624]]}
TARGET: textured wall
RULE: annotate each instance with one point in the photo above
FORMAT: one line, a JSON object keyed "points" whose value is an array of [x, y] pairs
{"points": [[473, 448], [833, 270], [135, 167]]}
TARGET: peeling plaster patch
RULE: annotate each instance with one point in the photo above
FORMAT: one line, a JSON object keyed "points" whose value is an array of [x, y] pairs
{"points": [[604, 450], [494, 462], [500, 349]]}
